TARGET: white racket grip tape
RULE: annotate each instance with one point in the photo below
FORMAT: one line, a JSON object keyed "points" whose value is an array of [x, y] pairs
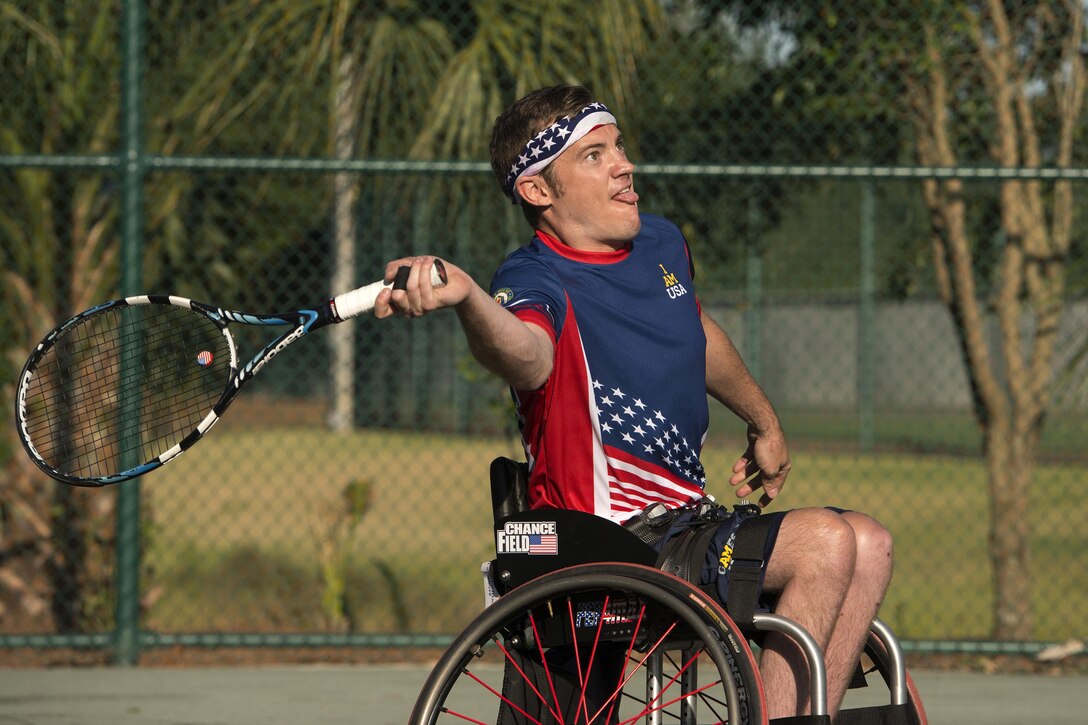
{"points": [[360, 301]]}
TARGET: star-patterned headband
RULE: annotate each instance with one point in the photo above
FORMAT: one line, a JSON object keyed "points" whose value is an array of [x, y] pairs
{"points": [[546, 146]]}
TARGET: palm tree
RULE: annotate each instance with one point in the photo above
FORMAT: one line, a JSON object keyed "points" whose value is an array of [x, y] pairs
{"points": [[410, 79], [59, 233], [396, 79], [379, 61]]}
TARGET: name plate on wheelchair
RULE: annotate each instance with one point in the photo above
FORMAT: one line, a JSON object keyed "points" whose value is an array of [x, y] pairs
{"points": [[533, 543]]}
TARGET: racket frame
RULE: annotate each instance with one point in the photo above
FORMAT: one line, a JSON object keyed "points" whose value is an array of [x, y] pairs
{"points": [[302, 322]]}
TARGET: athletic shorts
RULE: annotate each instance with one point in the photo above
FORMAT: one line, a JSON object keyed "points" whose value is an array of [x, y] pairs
{"points": [[716, 561]]}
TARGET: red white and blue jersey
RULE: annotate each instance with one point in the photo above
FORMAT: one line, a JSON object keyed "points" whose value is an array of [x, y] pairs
{"points": [[621, 419]]}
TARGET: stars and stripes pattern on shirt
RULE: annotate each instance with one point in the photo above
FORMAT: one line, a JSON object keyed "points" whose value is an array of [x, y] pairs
{"points": [[621, 420], [648, 459]]}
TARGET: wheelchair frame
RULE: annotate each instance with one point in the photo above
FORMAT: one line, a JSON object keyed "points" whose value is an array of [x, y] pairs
{"points": [[602, 562]]}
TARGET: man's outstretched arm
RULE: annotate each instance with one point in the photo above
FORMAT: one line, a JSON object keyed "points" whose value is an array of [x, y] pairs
{"points": [[522, 354]]}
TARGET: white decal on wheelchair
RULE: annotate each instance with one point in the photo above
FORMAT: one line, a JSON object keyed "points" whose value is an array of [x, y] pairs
{"points": [[535, 538], [594, 613]]}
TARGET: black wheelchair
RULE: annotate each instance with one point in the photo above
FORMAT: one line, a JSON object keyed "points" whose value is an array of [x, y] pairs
{"points": [[581, 627]]}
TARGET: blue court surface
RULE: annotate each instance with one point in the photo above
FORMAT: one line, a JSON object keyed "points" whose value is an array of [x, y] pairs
{"points": [[383, 695]]}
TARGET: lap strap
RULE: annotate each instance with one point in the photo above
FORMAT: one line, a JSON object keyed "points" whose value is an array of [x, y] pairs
{"points": [[684, 554]]}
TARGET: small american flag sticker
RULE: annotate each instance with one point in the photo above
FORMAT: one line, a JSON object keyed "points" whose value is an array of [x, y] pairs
{"points": [[544, 544]]}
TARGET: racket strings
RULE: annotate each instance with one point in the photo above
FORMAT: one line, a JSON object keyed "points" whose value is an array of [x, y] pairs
{"points": [[123, 386]]}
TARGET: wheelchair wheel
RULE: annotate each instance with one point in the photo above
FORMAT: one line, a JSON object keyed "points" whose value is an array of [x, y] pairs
{"points": [[877, 653], [597, 643]]}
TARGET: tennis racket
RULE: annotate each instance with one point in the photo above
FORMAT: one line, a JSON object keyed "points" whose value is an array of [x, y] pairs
{"points": [[122, 388]]}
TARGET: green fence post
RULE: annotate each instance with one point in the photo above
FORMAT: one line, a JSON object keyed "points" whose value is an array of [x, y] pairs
{"points": [[461, 395], [867, 319], [127, 614]]}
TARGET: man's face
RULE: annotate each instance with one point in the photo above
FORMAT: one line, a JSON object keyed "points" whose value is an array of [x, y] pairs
{"points": [[596, 207]]}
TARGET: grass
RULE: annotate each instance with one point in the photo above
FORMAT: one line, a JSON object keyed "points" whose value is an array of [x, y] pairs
{"points": [[238, 525], [927, 431], [268, 495]]}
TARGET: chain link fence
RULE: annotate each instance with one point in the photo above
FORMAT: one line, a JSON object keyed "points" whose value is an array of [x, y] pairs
{"points": [[886, 211]]}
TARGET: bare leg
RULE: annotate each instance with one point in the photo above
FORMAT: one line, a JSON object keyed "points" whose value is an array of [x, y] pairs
{"points": [[810, 570], [831, 572], [872, 575]]}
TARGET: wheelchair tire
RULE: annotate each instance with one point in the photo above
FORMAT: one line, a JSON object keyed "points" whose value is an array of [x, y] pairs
{"points": [[572, 646]]}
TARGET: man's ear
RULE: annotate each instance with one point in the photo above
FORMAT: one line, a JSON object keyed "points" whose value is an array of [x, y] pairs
{"points": [[534, 190]]}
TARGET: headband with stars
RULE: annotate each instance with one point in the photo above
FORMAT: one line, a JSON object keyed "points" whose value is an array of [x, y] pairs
{"points": [[546, 146]]}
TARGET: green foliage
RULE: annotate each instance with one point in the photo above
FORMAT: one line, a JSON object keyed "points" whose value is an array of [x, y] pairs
{"points": [[695, 82], [334, 531]]}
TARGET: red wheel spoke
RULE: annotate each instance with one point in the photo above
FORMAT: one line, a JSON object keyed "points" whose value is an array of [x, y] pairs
{"points": [[547, 673], [582, 678], [529, 682], [497, 694], [649, 706], [627, 658], [639, 666], [461, 716], [673, 701]]}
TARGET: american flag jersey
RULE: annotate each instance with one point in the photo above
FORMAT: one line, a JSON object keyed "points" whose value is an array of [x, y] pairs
{"points": [[621, 420]]}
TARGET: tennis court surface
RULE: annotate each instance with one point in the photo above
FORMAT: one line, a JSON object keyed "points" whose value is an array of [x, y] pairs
{"points": [[383, 695]]}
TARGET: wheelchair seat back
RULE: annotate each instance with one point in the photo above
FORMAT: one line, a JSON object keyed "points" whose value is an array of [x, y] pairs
{"points": [[533, 543], [529, 543]]}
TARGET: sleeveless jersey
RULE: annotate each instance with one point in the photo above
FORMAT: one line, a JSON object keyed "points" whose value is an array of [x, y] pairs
{"points": [[620, 422]]}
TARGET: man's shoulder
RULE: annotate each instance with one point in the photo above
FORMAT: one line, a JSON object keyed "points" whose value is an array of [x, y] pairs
{"points": [[526, 256], [527, 266]]}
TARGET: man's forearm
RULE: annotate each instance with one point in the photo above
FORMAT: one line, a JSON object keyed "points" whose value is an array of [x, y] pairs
{"points": [[729, 381], [519, 353]]}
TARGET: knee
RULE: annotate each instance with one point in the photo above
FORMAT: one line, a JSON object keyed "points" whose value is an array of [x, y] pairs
{"points": [[838, 540], [822, 543], [875, 549]]}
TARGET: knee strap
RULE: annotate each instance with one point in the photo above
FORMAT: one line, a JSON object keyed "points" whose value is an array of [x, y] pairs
{"points": [[684, 556], [877, 715], [747, 569]]}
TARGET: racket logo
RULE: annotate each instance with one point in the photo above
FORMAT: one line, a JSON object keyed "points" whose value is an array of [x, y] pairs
{"points": [[21, 408], [255, 367]]}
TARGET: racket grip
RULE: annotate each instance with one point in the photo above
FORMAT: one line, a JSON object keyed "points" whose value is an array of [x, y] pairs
{"points": [[360, 301]]}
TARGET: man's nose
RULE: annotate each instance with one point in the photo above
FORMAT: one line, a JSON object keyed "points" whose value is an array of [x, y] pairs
{"points": [[624, 167]]}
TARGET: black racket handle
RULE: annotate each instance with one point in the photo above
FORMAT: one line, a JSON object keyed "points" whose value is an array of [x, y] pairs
{"points": [[401, 280]]}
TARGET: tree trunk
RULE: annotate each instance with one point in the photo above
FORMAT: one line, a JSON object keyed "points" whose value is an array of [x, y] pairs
{"points": [[345, 195], [1010, 377], [1010, 468]]}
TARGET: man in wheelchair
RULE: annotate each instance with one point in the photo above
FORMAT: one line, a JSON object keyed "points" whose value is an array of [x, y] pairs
{"points": [[597, 327]]}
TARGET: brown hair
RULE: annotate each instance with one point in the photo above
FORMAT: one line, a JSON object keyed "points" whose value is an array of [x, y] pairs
{"points": [[527, 117]]}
